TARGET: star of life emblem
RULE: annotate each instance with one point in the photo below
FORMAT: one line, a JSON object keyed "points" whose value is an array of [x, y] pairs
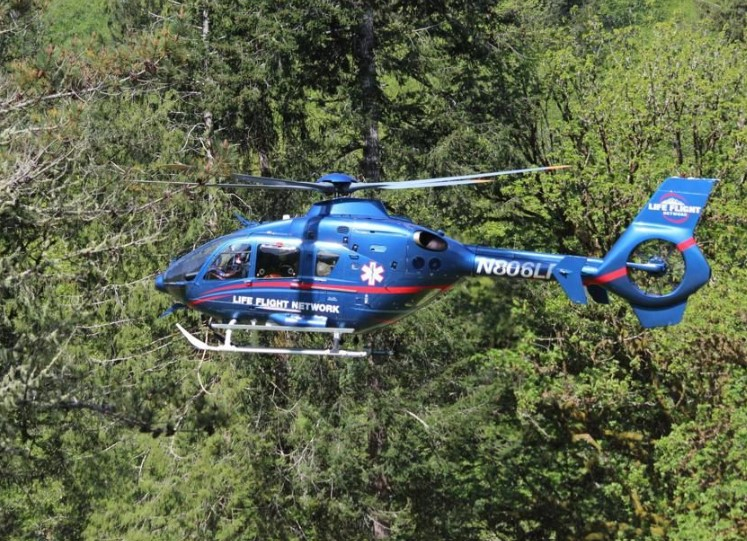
{"points": [[372, 273]]}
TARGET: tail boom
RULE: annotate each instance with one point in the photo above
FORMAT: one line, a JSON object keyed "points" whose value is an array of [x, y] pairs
{"points": [[669, 218], [568, 271]]}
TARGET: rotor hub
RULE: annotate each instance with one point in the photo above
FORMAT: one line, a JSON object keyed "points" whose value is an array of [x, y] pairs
{"points": [[340, 181]]}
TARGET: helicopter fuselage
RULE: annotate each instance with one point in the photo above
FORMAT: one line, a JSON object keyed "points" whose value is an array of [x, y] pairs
{"points": [[346, 264]]}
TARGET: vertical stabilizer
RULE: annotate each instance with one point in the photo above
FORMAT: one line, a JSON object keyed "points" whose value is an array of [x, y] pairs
{"points": [[678, 203]]}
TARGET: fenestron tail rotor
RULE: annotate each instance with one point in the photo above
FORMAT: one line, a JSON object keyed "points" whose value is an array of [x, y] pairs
{"points": [[656, 267]]}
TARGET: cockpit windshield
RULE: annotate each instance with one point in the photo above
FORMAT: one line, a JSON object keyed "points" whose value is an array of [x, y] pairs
{"points": [[188, 266]]}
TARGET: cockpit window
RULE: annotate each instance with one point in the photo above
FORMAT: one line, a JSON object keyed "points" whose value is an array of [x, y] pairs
{"points": [[277, 261], [232, 264], [325, 263], [188, 266]]}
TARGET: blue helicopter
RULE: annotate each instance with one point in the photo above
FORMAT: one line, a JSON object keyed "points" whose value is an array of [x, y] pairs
{"points": [[348, 266]]}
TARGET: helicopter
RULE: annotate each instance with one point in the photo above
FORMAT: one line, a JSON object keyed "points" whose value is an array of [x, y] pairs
{"points": [[349, 266]]}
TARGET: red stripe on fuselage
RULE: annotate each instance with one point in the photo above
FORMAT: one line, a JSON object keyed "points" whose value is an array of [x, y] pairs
{"points": [[207, 299], [382, 290], [685, 244], [294, 284], [607, 277]]}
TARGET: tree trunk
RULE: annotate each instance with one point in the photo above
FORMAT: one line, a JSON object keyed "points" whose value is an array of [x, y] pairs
{"points": [[370, 95]]}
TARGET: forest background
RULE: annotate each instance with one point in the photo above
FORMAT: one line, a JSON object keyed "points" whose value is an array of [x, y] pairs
{"points": [[506, 413]]}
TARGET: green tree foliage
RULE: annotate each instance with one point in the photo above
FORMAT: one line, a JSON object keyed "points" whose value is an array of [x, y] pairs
{"points": [[505, 413], [728, 17]]}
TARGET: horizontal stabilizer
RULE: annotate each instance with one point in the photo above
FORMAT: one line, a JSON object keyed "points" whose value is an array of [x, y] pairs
{"points": [[568, 274], [660, 317]]}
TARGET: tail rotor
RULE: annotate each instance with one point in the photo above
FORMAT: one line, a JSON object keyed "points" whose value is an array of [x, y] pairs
{"points": [[656, 267]]}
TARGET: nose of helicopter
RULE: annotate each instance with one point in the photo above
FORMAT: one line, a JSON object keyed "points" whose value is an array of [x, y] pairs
{"points": [[177, 290]]}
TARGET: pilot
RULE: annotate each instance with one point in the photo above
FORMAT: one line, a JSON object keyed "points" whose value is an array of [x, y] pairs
{"points": [[233, 269], [236, 267]]}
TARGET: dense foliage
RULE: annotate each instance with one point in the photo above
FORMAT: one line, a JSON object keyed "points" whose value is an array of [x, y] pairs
{"points": [[506, 413]]}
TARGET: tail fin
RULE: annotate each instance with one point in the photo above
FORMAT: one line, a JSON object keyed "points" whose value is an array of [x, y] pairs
{"points": [[659, 247], [678, 204]]}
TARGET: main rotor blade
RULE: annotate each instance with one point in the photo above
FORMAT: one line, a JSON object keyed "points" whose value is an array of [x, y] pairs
{"points": [[268, 183], [254, 178], [300, 186], [476, 178], [279, 183]]}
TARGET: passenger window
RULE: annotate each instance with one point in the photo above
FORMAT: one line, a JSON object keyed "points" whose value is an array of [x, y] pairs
{"points": [[232, 264], [277, 261], [325, 263]]}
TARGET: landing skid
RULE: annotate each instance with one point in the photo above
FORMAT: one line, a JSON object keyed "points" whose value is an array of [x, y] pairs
{"points": [[228, 347]]}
